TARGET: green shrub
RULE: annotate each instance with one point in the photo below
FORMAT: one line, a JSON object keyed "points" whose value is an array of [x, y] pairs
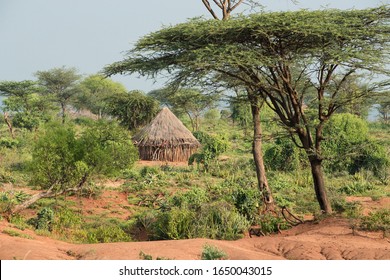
{"points": [[220, 220], [8, 143], [377, 221], [44, 220], [177, 223], [212, 146], [349, 147], [7, 202], [213, 253], [107, 234], [193, 198], [62, 159], [284, 155], [65, 219]]}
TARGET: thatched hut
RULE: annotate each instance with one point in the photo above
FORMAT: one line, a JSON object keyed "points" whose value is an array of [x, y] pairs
{"points": [[165, 139]]}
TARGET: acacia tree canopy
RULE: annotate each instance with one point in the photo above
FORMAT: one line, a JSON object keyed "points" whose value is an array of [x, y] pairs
{"points": [[281, 56]]}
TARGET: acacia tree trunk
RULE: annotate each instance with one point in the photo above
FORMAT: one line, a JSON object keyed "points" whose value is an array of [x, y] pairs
{"points": [[319, 184], [63, 108], [48, 193], [258, 155], [9, 124]]}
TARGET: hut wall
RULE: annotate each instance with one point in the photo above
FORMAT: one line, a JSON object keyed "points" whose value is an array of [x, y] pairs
{"points": [[179, 153]]}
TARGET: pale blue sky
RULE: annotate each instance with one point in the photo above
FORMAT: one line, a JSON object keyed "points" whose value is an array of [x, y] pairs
{"points": [[89, 34]]}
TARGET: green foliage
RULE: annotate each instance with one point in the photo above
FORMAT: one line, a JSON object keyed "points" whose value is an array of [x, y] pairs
{"points": [[107, 234], [7, 202], [107, 148], [44, 219], [377, 221], [66, 219], [192, 199], [61, 160], [216, 220], [8, 143], [55, 161], [212, 146], [284, 155], [133, 109], [25, 103], [357, 187], [349, 148], [95, 90], [271, 223], [59, 85], [210, 252], [145, 257], [212, 115]]}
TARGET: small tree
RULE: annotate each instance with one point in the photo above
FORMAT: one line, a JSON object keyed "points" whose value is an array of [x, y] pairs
{"points": [[25, 107], [60, 84], [133, 109], [63, 163]]}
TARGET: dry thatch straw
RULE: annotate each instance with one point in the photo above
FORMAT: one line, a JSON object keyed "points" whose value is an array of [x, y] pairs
{"points": [[166, 139]]}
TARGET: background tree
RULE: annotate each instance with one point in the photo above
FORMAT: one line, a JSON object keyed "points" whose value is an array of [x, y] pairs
{"points": [[133, 109], [93, 93], [269, 55], [60, 84], [383, 107], [186, 101], [25, 107]]}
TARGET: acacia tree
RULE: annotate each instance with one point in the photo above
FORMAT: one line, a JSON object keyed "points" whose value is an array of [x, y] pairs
{"points": [[24, 107], [277, 57], [60, 84], [226, 7]]}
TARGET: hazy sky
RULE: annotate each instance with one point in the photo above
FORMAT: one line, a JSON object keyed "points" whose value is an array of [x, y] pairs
{"points": [[89, 34]]}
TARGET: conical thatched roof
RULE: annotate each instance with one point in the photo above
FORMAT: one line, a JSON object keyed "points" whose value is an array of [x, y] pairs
{"points": [[165, 130]]}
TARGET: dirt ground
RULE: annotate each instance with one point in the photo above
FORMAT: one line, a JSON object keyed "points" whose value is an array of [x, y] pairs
{"points": [[331, 238]]}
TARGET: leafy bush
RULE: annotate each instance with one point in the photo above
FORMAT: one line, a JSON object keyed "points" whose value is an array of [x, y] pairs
{"points": [[284, 155], [8, 143], [107, 234], [62, 160], [65, 219], [44, 219], [213, 253], [7, 202], [349, 148], [212, 146], [377, 221], [216, 220], [193, 199]]}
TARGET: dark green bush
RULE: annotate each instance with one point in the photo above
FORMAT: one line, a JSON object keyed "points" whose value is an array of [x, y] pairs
{"points": [[44, 219], [348, 147], [284, 155]]}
